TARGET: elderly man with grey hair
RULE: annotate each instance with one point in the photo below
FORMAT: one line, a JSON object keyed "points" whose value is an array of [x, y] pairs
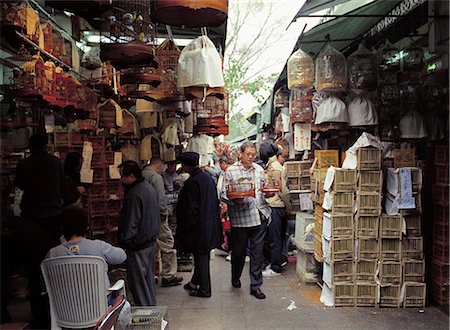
{"points": [[249, 218]]}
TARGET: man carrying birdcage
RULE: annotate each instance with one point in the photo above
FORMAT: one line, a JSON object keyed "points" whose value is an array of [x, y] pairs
{"points": [[249, 215]]}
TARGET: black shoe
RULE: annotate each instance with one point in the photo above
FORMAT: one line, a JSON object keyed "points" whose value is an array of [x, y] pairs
{"points": [[236, 283], [173, 281], [258, 294], [198, 293], [189, 286]]}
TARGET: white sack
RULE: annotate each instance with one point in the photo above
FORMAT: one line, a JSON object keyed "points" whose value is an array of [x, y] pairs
{"points": [[200, 64], [412, 126], [332, 110], [362, 112]]}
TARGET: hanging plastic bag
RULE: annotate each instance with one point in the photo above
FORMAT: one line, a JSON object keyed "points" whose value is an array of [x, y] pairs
{"points": [[412, 126], [332, 110], [362, 112], [200, 64]]}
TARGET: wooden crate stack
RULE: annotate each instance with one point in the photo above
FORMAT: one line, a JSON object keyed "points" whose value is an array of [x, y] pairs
{"points": [[323, 160], [367, 220], [405, 182], [298, 183], [440, 263], [104, 195], [338, 238]]}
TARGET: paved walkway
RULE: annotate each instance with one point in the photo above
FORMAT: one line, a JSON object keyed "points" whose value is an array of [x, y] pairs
{"points": [[231, 308]]}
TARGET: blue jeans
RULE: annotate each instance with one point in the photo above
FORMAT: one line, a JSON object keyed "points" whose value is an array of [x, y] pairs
{"points": [[275, 236]]}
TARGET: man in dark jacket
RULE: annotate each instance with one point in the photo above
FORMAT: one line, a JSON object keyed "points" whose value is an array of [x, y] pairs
{"points": [[138, 228], [198, 222], [40, 176]]}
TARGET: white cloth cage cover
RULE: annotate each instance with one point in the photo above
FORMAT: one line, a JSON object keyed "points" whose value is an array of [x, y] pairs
{"points": [[412, 126], [362, 112], [200, 64], [332, 110]]}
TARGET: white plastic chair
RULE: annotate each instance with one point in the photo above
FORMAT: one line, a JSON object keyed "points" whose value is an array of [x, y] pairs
{"points": [[77, 291]]}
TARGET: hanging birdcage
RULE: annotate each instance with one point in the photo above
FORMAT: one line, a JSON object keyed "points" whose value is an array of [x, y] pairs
{"points": [[109, 114], [72, 94], [190, 13], [133, 33], [58, 44], [47, 29], [211, 115], [130, 127], [331, 70], [61, 87], [389, 60], [271, 182], [362, 69], [28, 74], [300, 70], [282, 97], [49, 82], [301, 107], [13, 15], [168, 54], [413, 58]]}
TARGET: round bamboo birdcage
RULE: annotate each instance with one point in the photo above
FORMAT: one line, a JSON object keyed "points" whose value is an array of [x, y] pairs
{"points": [[211, 115], [190, 13], [29, 73], [49, 82]]}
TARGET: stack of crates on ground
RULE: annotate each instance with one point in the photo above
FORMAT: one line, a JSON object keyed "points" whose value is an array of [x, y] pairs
{"points": [[298, 184], [403, 222], [323, 160], [104, 195], [338, 236], [367, 220], [440, 263]]}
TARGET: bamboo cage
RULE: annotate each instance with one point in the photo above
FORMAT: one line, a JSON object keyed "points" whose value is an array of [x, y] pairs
{"points": [[412, 248], [366, 294], [344, 294], [370, 181], [342, 248], [391, 226], [366, 270], [343, 202], [390, 249], [345, 180], [369, 159], [415, 294], [367, 226], [390, 272], [414, 270], [369, 203], [343, 271], [341, 225], [368, 248], [413, 225], [389, 296]]}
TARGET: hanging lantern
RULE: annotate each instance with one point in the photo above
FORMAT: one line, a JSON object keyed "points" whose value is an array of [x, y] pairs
{"points": [[190, 13], [300, 70], [331, 70], [362, 69]]}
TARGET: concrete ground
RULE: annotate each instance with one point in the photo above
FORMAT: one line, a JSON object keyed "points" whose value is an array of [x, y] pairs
{"points": [[231, 308]]}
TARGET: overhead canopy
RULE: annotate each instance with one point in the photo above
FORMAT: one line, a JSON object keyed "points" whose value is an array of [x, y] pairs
{"points": [[347, 31], [313, 6]]}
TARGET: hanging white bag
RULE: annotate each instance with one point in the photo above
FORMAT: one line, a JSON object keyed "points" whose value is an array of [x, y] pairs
{"points": [[362, 112], [412, 126], [200, 64], [332, 110]]}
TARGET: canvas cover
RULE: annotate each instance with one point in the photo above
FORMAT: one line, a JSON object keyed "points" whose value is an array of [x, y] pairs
{"points": [[362, 112], [332, 110], [200, 64]]}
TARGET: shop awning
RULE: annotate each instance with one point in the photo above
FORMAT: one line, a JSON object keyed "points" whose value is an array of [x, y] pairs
{"points": [[313, 6]]}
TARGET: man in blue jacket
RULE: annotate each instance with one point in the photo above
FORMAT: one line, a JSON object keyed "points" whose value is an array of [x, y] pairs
{"points": [[138, 229], [199, 229]]}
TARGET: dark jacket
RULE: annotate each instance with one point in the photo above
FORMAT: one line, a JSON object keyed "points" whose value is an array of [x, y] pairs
{"points": [[40, 176], [198, 215], [139, 218]]}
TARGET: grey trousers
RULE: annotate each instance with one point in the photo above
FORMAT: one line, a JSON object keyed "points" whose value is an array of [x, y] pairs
{"points": [[141, 275], [239, 237], [168, 253]]}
